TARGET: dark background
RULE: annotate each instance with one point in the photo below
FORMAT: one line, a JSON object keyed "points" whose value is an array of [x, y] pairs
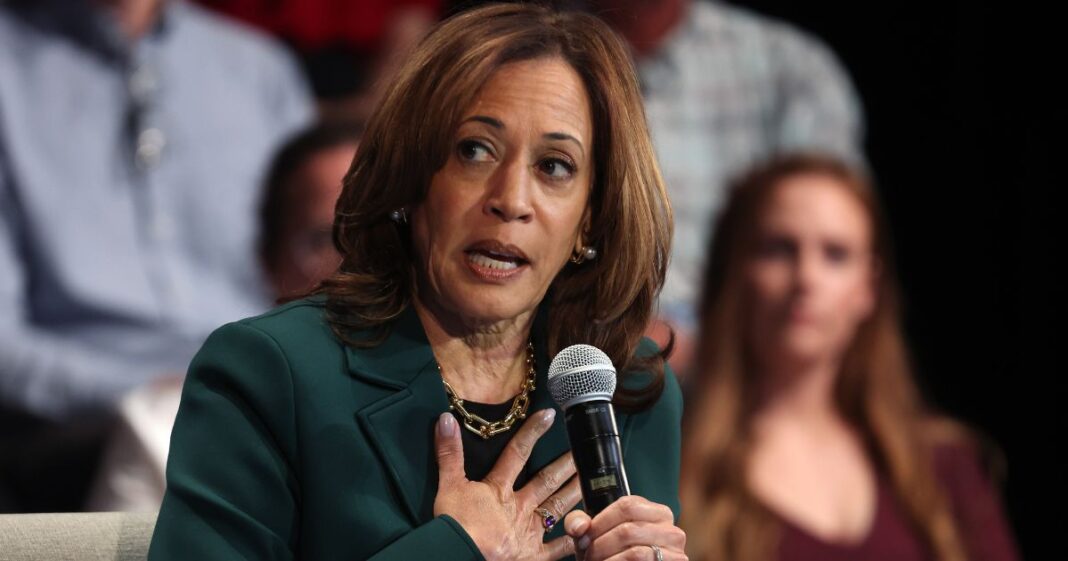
{"points": [[961, 121]]}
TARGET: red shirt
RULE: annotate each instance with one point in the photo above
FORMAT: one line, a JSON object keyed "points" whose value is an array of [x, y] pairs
{"points": [[980, 521], [314, 24]]}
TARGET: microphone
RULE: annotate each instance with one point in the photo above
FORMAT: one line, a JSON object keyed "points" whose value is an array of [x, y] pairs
{"points": [[582, 381]]}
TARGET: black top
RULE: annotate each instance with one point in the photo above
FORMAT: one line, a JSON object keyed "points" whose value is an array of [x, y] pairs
{"points": [[480, 455]]}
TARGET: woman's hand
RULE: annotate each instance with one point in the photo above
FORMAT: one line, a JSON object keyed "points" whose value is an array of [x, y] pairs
{"points": [[500, 521], [627, 531]]}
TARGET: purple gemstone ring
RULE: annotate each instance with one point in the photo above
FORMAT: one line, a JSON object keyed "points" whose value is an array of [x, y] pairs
{"points": [[547, 519]]}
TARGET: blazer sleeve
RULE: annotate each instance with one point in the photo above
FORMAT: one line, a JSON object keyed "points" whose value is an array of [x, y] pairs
{"points": [[233, 474], [232, 482], [652, 444]]}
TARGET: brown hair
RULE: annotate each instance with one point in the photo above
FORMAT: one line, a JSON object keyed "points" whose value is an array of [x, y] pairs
{"points": [[605, 302], [874, 390]]}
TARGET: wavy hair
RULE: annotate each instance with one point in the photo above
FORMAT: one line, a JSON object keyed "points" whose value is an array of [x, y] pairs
{"points": [[606, 302]]}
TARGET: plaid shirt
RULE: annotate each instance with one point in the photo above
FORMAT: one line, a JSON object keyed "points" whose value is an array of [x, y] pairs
{"points": [[727, 89]]}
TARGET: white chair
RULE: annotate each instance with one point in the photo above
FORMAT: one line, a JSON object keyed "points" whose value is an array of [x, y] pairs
{"points": [[75, 536]]}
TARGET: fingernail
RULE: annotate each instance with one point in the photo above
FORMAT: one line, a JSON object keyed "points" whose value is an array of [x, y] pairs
{"points": [[446, 424], [583, 543], [547, 416]]}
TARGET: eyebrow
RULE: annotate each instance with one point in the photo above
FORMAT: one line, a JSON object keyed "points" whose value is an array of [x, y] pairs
{"points": [[497, 124], [565, 136], [487, 120]]}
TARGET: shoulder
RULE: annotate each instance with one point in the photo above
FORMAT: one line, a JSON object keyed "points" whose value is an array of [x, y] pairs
{"points": [[775, 37], [965, 463], [967, 467], [955, 447], [668, 407], [201, 30], [295, 333], [16, 36], [299, 317], [9, 28], [652, 441]]}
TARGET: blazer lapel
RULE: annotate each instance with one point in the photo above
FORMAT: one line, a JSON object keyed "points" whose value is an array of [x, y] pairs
{"points": [[400, 425], [554, 442]]}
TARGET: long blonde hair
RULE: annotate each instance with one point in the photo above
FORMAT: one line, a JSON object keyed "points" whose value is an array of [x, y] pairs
{"points": [[874, 390]]}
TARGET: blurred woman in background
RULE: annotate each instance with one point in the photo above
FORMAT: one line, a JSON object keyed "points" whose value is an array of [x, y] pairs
{"points": [[807, 438]]}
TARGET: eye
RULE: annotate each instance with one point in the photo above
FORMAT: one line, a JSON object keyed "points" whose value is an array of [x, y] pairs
{"points": [[836, 253], [474, 151], [776, 247], [556, 168]]}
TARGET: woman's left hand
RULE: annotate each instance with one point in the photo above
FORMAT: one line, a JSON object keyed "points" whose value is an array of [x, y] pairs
{"points": [[627, 531]]}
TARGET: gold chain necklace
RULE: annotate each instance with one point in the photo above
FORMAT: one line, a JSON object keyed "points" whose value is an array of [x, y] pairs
{"points": [[520, 404]]}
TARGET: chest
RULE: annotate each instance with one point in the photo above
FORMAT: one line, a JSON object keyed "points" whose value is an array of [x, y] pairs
{"points": [[827, 487]]}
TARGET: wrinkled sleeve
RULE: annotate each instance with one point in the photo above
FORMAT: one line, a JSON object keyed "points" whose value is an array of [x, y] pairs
{"points": [[233, 475]]}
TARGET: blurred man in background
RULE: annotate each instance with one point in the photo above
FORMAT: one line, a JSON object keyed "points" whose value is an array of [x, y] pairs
{"points": [[296, 246], [724, 89], [132, 139], [296, 250]]}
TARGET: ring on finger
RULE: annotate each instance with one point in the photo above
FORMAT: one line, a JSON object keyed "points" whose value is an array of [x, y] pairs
{"points": [[548, 519], [657, 554]]}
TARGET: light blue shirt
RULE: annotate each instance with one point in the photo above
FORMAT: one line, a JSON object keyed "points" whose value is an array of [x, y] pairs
{"points": [[129, 181], [727, 89]]}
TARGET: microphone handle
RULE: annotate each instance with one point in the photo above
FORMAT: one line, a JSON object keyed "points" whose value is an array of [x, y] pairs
{"points": [[594, 438]]}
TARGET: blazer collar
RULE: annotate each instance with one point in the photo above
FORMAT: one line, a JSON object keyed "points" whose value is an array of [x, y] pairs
{"points": [[400, 425], [397, 361]]}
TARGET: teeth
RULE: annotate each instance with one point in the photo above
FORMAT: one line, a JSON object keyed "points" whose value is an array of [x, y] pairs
{"points": [[491, 263]]}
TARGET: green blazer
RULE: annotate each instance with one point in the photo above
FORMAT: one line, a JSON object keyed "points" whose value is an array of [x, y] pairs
{"points": [[291, 445]]}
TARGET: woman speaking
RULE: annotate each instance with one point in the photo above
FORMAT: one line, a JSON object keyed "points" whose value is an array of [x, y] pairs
{"points": [[504, 203]]}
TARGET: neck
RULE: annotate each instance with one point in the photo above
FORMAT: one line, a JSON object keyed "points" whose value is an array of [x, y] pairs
{"points": [[134, 17], [799, 392], [645, 25], [483, 362]]}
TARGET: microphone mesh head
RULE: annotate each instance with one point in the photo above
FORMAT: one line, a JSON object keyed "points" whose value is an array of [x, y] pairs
{"points": [[581, 373]]}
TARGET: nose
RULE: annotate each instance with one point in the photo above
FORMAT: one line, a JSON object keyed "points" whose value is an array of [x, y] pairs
{"points": [[806, 269], [509, 195]]}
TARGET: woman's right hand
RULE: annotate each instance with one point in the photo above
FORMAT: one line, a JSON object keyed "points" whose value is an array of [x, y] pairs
{"points": [[502, 522]]}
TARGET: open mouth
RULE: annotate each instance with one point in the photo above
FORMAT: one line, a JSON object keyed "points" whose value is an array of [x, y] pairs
{"points": [[495, 256], [492, 261]]}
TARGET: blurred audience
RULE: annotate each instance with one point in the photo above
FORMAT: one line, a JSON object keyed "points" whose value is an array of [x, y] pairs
{"points": [[805, 436], [724, 89], [132, 138], [348, 49], [296, 250], [297, 213]]}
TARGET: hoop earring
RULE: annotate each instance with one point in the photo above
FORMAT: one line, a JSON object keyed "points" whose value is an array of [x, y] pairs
{"points": [[399, 215], [587, 253]]}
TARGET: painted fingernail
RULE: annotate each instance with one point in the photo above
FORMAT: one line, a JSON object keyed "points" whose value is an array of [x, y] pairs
{"points": [[583, 543], [446, 424], [547, 416]]}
